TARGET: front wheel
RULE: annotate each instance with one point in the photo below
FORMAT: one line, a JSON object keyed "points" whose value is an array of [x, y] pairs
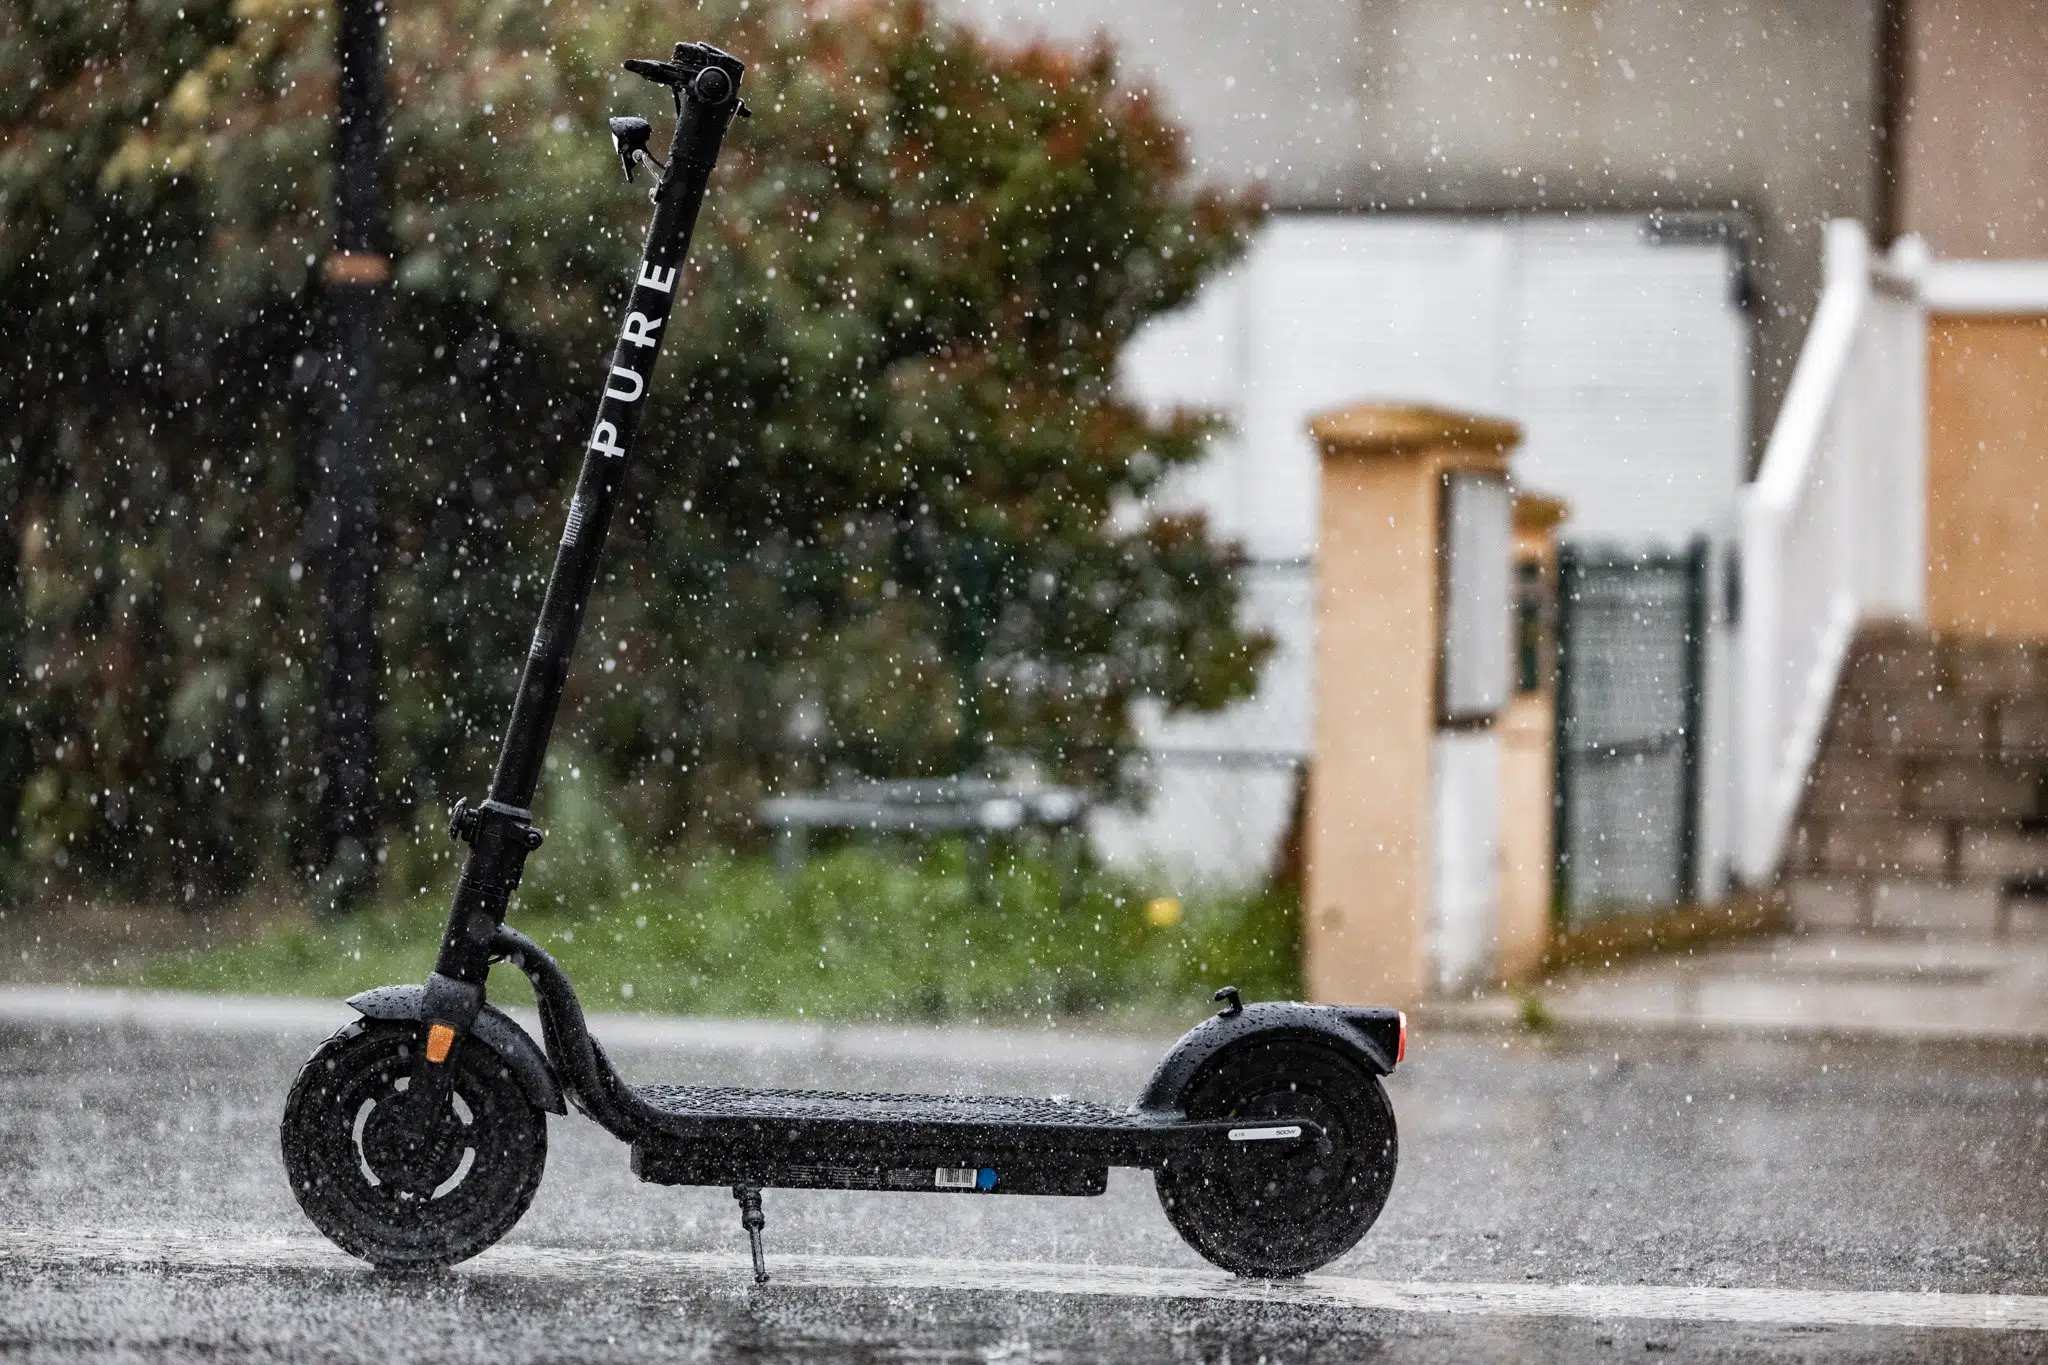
{"points": [[396, 1187], [1274, 1209]]}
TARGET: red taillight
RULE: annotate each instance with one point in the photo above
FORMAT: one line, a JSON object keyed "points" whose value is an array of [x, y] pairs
{"points": [[1401, 1048]]}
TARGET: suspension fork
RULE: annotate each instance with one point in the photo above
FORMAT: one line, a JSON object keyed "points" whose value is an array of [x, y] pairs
{"points": [[500, 833]]}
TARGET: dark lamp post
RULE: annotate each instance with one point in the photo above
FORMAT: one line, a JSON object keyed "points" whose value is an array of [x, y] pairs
{"points": [[347, 531]]}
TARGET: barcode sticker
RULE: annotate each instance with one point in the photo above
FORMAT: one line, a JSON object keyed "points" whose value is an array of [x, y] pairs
{"points": [[956, 1177]]}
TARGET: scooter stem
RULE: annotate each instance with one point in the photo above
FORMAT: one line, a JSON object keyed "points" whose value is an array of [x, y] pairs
{"points": [[500, 833]]}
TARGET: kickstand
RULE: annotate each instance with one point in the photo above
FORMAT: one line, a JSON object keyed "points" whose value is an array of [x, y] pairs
{"points": [[753, 1220]]}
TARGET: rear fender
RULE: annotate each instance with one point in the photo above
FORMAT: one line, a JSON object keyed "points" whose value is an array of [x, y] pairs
{"points": [[1369, 1037], [493, 1028]]}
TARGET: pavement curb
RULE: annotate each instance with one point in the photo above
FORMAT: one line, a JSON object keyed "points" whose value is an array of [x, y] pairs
{"points": [[1893, 988], [1503, 1018], [111, 1008]]}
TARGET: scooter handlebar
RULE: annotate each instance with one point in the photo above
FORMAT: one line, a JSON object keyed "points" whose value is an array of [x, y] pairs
{"points": [[698, 71]]}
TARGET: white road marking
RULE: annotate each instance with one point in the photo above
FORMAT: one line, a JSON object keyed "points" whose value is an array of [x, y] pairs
{"points": [[566, 1267]]}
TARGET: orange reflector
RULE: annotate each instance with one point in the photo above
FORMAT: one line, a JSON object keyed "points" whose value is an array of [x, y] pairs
{"points": [[439, 1039], [1400, 1048]]}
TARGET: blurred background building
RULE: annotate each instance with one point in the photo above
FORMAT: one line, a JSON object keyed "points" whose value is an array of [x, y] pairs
{"points": [[1605, 222]]}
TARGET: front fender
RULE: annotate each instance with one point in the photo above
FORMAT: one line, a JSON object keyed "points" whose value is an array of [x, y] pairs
{"points": [[493, 1028], [1369, 1037]]}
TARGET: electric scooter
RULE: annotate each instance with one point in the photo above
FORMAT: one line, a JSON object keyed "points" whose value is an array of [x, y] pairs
{"points": [[415, 1136]]}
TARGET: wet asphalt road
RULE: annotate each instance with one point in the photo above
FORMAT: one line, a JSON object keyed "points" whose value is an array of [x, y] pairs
{"points": [[144, 1214]]}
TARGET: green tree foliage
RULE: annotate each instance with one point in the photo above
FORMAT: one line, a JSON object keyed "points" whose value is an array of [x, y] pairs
{"points": [[885, 514]]}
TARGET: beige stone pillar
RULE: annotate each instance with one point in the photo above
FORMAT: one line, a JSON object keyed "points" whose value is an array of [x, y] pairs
{"points": [[1367, 885], [1528, 746]]}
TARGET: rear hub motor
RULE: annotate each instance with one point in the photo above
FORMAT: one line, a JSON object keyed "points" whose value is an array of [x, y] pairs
{"points": [[1269, 1207]]}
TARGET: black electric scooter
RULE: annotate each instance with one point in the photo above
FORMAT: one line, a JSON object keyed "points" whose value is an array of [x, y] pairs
{"points": [[415, 1136]]}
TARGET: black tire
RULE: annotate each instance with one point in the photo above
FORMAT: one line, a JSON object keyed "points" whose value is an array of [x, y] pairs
{"points": [[442, 1195], [1272, 1209]]}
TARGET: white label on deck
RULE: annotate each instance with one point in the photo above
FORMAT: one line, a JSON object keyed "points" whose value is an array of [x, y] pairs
{"points": [[956, 1177], [1288, 1130]]}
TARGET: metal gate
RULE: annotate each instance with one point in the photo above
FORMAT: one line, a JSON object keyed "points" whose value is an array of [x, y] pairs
{"points": [[1631, 657]]}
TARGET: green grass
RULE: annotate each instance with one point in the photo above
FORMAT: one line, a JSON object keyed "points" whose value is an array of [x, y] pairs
{"points": [[860, 933], [1532, 1014]]}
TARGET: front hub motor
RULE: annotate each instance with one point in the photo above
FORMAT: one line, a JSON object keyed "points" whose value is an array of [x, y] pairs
{"points": [[406, 1183]]}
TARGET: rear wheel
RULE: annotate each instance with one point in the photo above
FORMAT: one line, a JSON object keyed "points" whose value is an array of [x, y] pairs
{"points": [[398, 1187], [1284, 1208]]}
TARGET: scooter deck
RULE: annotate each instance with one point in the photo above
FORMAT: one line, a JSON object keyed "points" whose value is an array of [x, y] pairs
{"points": [[718, 1103], [990, 1144]]}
